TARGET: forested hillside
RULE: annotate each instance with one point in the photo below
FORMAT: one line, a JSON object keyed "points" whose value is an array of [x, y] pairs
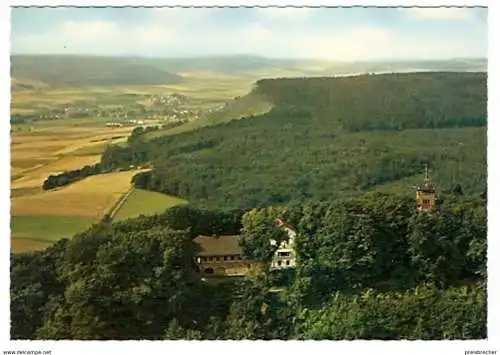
{"points": [[385, 102], [327, 137], [368, 268]]}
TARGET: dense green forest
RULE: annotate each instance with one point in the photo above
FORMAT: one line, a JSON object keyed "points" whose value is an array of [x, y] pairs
{"points": [[368, 268], [326, 137]]}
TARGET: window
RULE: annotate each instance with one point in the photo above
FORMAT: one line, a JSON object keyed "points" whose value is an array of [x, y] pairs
{"points": [[279, 262], [232, 257], [209, 270], [249, 266], [284, 253], [426, 202], [288, 262], [225, 258]]}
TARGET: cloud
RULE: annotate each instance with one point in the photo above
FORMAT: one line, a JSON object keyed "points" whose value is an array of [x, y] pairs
{"points": [[155, 34], [374, 43], [102, 37], [184, 31], [286, 13], [351, 44], [256, 33], [180, 15], [89, 31], [440, 13]]}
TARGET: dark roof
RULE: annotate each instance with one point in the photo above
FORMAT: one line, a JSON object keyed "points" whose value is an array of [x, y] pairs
{"points": [[220, 245]]}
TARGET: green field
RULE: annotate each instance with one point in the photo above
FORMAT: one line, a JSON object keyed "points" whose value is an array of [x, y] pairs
{"points": [[143, 202], [91, 150], [47, 228]]}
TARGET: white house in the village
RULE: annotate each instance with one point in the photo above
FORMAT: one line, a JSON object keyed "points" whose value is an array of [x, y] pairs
{"points": [[284, 257]]}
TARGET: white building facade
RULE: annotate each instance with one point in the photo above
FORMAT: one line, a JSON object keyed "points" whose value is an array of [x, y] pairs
{"points": [[284, 257]]}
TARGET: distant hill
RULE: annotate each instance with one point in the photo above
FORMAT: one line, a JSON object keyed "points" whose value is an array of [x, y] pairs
{"points": [[404, 66], [232, 64], [328, 138], [82, 71], [251, 64], [57, 70], [25, 84]]}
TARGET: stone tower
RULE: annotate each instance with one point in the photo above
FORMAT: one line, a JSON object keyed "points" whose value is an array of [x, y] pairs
{"points": [[426, 194]]}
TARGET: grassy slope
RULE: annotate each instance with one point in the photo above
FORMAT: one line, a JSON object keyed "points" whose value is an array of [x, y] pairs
{"points": [[143, 202]]}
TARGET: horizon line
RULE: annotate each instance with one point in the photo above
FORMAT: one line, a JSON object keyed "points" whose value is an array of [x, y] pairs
{"points": [[227, 56]]}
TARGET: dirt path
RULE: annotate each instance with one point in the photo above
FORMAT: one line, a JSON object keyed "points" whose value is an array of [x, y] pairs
{"points": [[114, 210]]}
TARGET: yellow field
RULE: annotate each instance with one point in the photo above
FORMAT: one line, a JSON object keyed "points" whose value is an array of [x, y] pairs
{"points": [[20, 245], [49, 97], [40, 217], [36, 176], [91, 197], [48, 150]]}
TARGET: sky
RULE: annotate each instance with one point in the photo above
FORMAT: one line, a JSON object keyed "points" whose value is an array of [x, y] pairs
{"points": [[343, 34]]}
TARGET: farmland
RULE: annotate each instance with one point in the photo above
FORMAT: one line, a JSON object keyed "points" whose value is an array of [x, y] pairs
{"points": [[33, 232], [194, 98], [45, 216], [90, 198], [143, 202], [61, 128]]}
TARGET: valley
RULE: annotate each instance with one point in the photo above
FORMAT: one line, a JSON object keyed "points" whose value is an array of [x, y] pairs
{"points": [[56, 129]]}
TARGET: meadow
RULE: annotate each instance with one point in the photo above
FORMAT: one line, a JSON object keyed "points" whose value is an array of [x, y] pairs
{"points": [[144, 202], [38, 232]]}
